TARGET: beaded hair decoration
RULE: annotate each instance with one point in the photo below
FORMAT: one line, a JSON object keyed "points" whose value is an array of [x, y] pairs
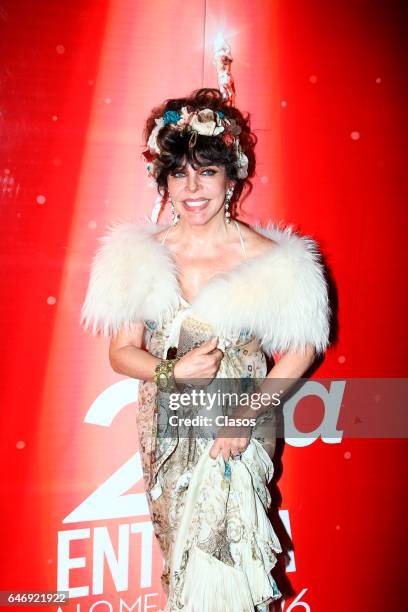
{"points": [[205, 122]]}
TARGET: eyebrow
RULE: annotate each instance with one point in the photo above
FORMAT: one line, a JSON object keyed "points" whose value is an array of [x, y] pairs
{"points": [[199, 167]]}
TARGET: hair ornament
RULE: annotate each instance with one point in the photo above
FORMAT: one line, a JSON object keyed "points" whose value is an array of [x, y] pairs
{"points": [[193, 139], [152, 145], [171, 116], [204, 122]]}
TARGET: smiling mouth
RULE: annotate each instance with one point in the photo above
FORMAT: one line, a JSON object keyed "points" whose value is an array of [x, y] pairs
{"points": [[195, 204]]}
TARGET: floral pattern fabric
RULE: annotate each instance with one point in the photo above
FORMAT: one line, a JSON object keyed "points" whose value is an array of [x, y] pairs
{"points": [[169, 463]]}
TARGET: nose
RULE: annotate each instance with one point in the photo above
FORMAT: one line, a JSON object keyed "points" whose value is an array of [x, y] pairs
{"points": [[193, 180]]}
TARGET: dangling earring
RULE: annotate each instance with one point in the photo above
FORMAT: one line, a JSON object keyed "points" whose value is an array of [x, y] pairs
{"points": [[228, 196], [174, 216]]}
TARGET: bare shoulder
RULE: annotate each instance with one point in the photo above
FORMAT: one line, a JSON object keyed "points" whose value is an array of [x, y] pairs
{"points": [[255, 243], [158, 236]]}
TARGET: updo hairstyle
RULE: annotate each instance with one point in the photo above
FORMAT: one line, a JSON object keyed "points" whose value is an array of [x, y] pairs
{"points": [[207, 150]]}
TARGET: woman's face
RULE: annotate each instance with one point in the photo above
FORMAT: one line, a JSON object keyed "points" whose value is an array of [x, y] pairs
{"points": [[198, 195]]}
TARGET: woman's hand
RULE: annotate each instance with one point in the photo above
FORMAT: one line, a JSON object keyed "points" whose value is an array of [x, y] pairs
{"points": [[200, 363], [230, 446]]}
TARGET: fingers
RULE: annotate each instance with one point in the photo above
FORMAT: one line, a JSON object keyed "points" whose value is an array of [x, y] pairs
{"points": [[217, 448], [236, 451], [218, 354], [206, 359], [214, 450], [213, 360], [201, 362], [207, 347], [228, 448]]}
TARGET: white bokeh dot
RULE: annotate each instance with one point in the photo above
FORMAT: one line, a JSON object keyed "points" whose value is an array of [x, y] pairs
{"points": [[108, 100], [41, 199], [51, 300], [60, 49], [347, 455], [378, 80], [284, 103], [20, 444], [54, 117], [18, 215], [92, 224], [337, 527], [355, 135], [313, 78], [341, 359], [90, 82], [49, 561], [264, 180], [6, 170]]}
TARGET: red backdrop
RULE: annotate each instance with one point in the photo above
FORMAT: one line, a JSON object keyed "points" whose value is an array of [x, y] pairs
{"points": [[325, 85]]}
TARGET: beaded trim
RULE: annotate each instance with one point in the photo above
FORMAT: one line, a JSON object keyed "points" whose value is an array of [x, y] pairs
{"points": [[163, 375]]}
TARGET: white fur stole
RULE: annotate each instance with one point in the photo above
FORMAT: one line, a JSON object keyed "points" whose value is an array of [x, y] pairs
{"points": [[280, 296]]}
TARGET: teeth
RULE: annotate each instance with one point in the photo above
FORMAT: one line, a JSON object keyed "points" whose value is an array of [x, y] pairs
{"points": [[199, 203]]}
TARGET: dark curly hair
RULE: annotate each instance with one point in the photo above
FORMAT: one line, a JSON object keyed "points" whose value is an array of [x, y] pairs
{"points": [[207, 149]]}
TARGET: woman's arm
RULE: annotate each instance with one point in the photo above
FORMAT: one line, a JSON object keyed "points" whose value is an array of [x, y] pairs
{"points": [[290, 367], [293, 364], [127, 356]]}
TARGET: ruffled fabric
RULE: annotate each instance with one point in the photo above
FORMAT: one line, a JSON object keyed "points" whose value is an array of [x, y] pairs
{"points": [[225, 546]]}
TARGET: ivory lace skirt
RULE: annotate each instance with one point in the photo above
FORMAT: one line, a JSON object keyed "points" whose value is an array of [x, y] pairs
{"points": [[210, 516]]}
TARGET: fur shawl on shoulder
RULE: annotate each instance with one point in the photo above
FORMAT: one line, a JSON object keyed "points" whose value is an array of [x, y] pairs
{"points": [[280, 296]]}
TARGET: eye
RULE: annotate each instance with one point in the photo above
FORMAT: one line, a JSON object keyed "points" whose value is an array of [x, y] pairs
{"points": [[211, 172], [176, 173]]}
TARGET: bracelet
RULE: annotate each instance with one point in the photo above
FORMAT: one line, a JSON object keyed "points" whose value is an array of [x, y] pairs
{"points": [[164, 375]]}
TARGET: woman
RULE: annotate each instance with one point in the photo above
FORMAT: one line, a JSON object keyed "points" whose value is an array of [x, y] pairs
{"points": [[207, 298]]}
